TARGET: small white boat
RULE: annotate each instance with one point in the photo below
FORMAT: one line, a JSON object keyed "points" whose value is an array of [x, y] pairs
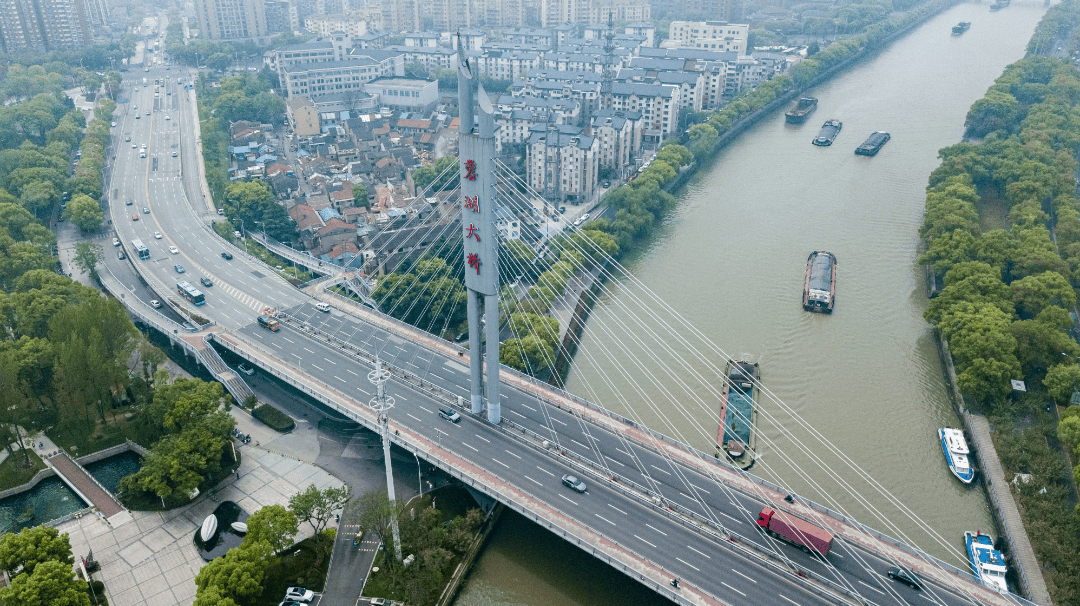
{"points": [[987, 562], [956, 453], [209, 527], [239, 527]]}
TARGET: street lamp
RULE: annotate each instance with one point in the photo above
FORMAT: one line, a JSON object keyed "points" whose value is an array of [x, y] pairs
{"points": [[419, 478]]}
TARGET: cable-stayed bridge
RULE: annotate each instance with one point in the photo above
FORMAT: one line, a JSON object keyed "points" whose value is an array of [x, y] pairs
{"points": [[655, 509]]}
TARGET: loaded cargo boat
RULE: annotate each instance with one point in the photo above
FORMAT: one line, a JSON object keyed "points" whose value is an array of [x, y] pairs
{"points": [[735, 435], [801, 111], [873, 144], [961, 27], [819, 286], [828, 133]]}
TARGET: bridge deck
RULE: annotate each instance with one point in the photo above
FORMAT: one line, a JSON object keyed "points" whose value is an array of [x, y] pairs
{"points": [[75, 476]]}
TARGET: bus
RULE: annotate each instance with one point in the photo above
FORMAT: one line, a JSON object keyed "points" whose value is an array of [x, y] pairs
{"points": [[190, 293], [140, 250]]}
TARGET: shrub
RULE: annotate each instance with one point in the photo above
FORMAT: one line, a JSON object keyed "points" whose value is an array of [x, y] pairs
{"points": [[274, 418]]}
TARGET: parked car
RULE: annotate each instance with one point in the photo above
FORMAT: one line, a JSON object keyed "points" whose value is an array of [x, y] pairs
{"points": [[449, 414], [905, 576], [120, 255], [573, 482], [116, 241], [244, 368], [299, 594], [179, 268]]}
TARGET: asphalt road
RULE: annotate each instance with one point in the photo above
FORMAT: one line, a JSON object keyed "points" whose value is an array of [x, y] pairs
{"points": [[242, 288]]}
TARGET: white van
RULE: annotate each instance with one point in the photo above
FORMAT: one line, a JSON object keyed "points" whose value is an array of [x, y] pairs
{"points": [[322, 306]]}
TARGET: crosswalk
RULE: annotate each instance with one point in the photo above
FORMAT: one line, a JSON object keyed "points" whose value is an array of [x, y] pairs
{"points": [[244, 299]]}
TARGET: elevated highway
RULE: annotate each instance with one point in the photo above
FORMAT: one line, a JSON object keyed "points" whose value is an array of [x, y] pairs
{"points": [[655, 508]]}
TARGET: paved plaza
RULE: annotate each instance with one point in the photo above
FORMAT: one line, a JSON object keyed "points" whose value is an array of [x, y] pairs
{"points": [[151, 561]]}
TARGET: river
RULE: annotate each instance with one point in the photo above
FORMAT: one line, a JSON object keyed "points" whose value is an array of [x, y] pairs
{"points": [[730, 260]]}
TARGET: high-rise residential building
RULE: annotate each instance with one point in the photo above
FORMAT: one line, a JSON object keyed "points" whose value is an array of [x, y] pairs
{"points": [[97, 11], [401, 15], [277, 16], [351, 24], [620, 10], [42, 25], [723, 10], [231, 19], [556, 12]]}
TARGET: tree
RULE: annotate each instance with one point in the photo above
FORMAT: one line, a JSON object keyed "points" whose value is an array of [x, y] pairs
{"points": [[33, 546], [1034, 293], [52, 583], [84, 212], [529, 354], [360, 195], [1061, 381], [430, 175], [238, 575], [274, 525], [315, 506], [87, 256], [703, 138], [212, 597], [374, 512]]}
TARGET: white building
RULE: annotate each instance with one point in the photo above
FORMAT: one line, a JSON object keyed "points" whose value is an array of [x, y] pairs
{"points": [[619, 134], [658, 103], [572, 161], [405, 93], [352, 25], [717, 36], [507, 223], [643, 28], [348, 75]]}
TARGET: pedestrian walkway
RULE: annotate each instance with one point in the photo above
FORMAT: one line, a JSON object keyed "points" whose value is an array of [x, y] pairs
{"points": [[88, 489]]}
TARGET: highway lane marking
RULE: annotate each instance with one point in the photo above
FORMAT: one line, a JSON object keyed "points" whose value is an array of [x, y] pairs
{"points": [[624, 452], [616, 508], [276, 345], [531, 480], [658, 469], [289, 340], [696, 487], [728, 517], [349, 371], [427, 409], [656, 529], [317, 368], [308, 350], [513, 454], [466, 444], [643, 540], [330, 361], [575, 504], [340, 379], [605, 519], [517, 413], [410, 414], [402, 398], [579, 443], [614, 461], [744, 576], [545, 471], [482, 438], [733, 589], [500, 462], [687, 563], [871, 587], [789, 599], [558, 421], [529, 407], [692, 549]]}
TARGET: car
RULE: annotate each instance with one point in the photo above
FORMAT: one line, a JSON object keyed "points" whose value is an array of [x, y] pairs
{"points": [[573, 482], [173, 250], [147, 112], [449, 414], [128, 138], [579, 221], [247, 370], [288, 602], [179, 268], [236, 234], [174, 154], [607, 183], [129, 202], [226, 256], [562, 210], [299, 594], [322, 307], [146, 210], [116, 241], [134, 217], [206, 282], [137, 116], [120, 255], [135, 107], [113, 125], [585, 217], [157, 235], [904, 576], [133, 146], [167, 118], [155, 303]]}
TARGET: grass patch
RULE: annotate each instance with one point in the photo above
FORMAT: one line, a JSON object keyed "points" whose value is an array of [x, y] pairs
{"points": [[302, 566], [274, 418], [14, 471]]}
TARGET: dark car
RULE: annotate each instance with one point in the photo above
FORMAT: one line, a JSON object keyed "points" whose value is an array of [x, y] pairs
{"points": [[449, 414], [206, 282], [179, 268], [129, 202], [226, 256], [573, 482], [905, 576]]}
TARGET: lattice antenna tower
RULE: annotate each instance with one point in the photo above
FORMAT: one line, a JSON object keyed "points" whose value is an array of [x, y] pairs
{"points": [[382, 404]]}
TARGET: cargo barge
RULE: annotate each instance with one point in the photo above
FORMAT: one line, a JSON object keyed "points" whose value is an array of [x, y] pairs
{"points": [[736, 437], [801, 111], [819, 286], [828, 133], [873, 144]]}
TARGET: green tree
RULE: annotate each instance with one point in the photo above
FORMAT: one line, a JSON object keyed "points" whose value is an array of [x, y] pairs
{"points": [[430, 175], [274, 525], [238, 575], [87, 256], [529, 354], [360, 195], [52, 583], [1034, 293], [84, 212], [703, 138], [315, 506], [211, 596], [1061, 381], [23, 552]]}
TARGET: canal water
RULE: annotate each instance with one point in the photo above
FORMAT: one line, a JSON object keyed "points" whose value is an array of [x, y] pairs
{"points": [[731, 261]]}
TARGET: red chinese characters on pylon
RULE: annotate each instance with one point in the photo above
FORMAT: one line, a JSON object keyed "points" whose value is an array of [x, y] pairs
{"points": [[472, 232], [472, 203], [470, 170], [474, 261]]}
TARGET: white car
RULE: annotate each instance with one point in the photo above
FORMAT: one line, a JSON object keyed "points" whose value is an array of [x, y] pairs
{"points": [[299, 594], [173, 250], [157, 235], [247, 370], [155, 303], [116, 241], [167, 118]]}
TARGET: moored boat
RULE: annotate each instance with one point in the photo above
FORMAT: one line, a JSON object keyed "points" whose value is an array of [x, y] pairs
{"points": [[961, 27], [209, 528], [828, 133], [873, 144], [987, 562], [801, 111], [956, 453], [735, 436], [819, 286]]}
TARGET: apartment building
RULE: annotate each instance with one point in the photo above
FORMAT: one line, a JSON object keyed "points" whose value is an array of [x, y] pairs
{"points": [[692, 84], [43, 25], [658, 103], [302, 115], [718, 36], [620, 135], [504, 65], [231, 19], [353, 25], [528, 35], [724, 10], [620, 10], [348, 75], [569, 163], [439, 57]]}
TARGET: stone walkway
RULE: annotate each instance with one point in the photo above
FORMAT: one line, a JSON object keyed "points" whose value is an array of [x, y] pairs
{"points": [[152, 561]]}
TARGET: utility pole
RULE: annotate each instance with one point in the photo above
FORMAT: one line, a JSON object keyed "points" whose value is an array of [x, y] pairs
{"points": [[382, 404]]}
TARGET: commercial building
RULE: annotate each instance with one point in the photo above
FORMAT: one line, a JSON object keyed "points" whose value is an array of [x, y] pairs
{"points": [[405, 93], [719, 36]]}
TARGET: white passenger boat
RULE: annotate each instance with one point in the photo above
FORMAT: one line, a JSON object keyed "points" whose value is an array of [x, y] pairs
{"points": [[987, 562], [956, 453]]}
